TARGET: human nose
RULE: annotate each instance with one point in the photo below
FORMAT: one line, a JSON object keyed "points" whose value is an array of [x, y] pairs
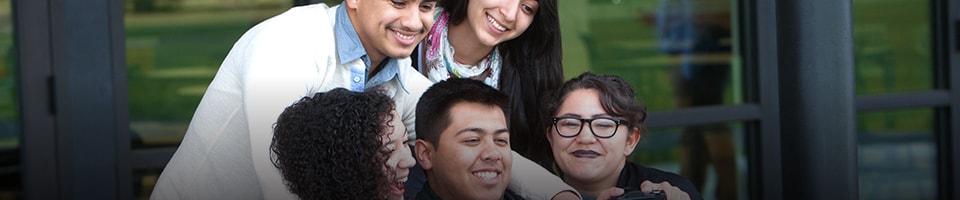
{"points": [[406, 159], [489, 152], [586, 135], [509, 10], [412, 22]]}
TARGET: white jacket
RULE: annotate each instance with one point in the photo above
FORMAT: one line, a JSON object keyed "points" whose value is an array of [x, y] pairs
{"points": [[225, 152]]}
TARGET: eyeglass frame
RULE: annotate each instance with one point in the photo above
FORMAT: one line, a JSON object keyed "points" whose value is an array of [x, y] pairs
{"points": [[587, 121]]}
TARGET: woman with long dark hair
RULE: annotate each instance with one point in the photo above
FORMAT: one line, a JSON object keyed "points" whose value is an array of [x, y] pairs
{"points": [[512, 45]]}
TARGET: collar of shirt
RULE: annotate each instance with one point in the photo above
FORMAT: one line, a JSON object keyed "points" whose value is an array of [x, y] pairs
{"points": [[349, 49], [390, 70]]}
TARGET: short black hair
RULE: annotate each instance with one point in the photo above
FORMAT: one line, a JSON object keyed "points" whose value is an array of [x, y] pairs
{"points": [[329, 146], [433, 109]]}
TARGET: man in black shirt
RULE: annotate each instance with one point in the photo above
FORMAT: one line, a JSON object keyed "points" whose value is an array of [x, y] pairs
{"points": [[463, 142]]}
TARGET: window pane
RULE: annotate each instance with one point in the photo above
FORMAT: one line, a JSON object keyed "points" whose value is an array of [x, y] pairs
{"points": [[9, 108], [144, 180], [174, 48], [892, 50], [896, 153], [710, 156], [675, 53]]}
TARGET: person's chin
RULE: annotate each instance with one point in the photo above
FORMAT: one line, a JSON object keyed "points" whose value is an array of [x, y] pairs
{"points": [[492, 194], [394, 197], [400, 51], [399, 54]]}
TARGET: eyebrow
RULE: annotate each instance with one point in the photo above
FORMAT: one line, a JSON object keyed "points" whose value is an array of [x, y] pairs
{"points": [[479, 130], [579, 116], [406, 139]]}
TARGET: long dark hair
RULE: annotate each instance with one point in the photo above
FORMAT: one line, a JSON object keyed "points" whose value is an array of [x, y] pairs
{"points": [[532, 67]]}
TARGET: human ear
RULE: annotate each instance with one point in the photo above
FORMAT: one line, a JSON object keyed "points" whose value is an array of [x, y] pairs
{"points": [[632, 140], [423, 151], [548, 135], [352, 4]]}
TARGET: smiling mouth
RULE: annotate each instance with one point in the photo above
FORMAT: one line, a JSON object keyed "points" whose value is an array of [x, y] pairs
{"points": [[486, 174], [585, 154], [495, 24], [404, 36], [398, 187]]}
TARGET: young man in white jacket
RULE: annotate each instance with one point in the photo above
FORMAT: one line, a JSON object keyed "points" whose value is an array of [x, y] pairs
{"points": [[357, 45]]}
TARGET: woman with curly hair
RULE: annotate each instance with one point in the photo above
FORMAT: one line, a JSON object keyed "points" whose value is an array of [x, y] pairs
{"points": [[342, 145]]}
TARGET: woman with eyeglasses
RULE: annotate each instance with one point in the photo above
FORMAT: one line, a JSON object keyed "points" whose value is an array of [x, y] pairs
{"points": [[596, 124]]}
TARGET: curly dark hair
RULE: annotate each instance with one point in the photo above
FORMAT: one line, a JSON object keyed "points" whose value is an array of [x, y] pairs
{"points": [[330, 147], [616, 97]]}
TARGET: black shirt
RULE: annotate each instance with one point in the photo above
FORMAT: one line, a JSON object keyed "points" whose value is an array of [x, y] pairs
{"points": [[633, 174], [428, 194]]}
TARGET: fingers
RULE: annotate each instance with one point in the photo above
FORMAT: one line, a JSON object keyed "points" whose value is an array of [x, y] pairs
{"points": [[672, 192], [647, 186]]}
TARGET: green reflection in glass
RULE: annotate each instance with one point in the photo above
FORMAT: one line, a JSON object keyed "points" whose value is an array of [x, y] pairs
{"points": [[627, 38], [713, 155], [896, 152], [892, 50], [174, 48], [9, 95], [10, 187]]}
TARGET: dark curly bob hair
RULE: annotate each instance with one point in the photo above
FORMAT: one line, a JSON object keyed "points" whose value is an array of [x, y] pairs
{"points": [[329, 146], [616, 97]]}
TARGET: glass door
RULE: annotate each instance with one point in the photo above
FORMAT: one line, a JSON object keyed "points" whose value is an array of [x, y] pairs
{"points": [[174, 48], [9, 109]]}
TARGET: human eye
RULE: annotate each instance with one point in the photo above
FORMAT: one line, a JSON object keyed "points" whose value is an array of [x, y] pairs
{"points": [[472, 141], [427, 6], [605, 124], [529, 7], [398, 4], [502, 141], [569, 123]]}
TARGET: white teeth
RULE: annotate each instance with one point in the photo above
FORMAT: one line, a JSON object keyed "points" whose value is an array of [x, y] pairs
{"points": [[486, 175], [405, 37], [495, 24]]}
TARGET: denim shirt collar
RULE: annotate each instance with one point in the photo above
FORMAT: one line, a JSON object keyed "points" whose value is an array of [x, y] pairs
{"points": [[348, 44], [390, 70]]}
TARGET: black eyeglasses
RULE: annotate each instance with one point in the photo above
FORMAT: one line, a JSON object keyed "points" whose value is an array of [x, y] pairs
{"points": [[602, 127]]}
